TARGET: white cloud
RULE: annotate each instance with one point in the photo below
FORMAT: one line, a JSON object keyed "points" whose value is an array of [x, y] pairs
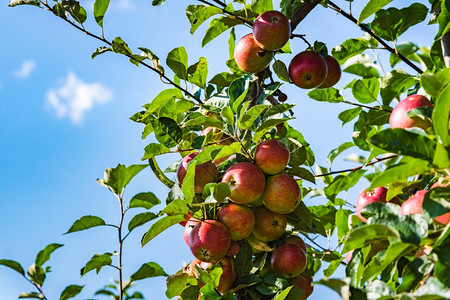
{"points": [[25, 70], [75, 97]]}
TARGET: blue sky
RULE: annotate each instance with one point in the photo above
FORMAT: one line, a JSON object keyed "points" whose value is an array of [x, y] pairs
{"points": [[64, 119]]}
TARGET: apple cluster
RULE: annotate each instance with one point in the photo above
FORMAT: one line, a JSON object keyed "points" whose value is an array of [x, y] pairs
{"points": [[254, 212], [271, 31]]}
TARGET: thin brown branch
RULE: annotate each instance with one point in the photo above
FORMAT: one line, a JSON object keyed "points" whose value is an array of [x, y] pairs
{"points": [[365, 106], [377, 160], [227, 12], [302, 36], [372, 34], [302, 12]]}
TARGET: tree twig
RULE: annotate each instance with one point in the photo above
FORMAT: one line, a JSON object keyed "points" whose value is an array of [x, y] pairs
{"points": [[302, 12], [445, 42]]}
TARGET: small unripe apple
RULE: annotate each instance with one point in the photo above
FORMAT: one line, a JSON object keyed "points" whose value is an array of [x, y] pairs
{"points": [[308, 70], [288, 260], [246, 182], [399, 118], [209, 241], [272, 156], [334, 73], [296, 240], [239, 220], [282, 193], [228, 275], [271, 30], [269, 226], [249, 56], [366, 197], [306, 284], [204, 173]]}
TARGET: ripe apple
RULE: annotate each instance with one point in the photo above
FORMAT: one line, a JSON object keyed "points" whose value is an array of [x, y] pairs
{"points": [[204, 173], [308, 70], [190, 224], [306, 284], [399, 119], [209, 241], [348, 256], [272, 156], [268, 225], [239, 220], [414, 206], [288, 260], [271, 30], [282, 193], [366, 197], [246, 182], [249, 56], [228, 275], [334, 73], [442, 182], [296, 240]]}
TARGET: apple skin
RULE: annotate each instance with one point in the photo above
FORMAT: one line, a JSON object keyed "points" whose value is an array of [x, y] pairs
{"points": [[296, 240], [269, 226], [190, 224], [271, 30], [249, 56], [306, 284], [348, 256], [366, 197], [308, 70], [399, 119], [246, 181], [189, 269], [282, 193], [288, 260], [228, 275], [442, 182], [414, 206], [204, 173], [272, 156], [209, 241], [334, 73], [234, 249], [239, 220]]}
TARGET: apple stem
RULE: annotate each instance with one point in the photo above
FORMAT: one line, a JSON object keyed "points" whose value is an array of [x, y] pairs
{"points": [[302, 36]]}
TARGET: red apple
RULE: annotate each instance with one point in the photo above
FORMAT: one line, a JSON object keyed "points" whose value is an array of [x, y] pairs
{"points": [[272, 156], [334, 73], [271, 30], [348, 256], [414, 206], [239, 220], [306, 284], [288, 260], [282, 193], [296, 240], [234, 249], [246, 182], [377, 195], [190, 224], [209, 241], [399, 119], [189, 269], [204, 173], [442, 182], [269, 226], [249, 56], [228, 275], [308, 70]]}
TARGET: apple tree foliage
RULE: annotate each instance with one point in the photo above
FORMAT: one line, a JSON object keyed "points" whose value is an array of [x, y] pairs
{"points": [[389, 258]]}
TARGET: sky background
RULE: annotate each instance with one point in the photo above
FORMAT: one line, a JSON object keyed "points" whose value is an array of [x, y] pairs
{"points": [[64, 119]]}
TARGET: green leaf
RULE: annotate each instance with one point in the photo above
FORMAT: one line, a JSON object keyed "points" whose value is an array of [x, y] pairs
{"points": [[342, 222], [148, 270], [153, 59], [167, 131], [443, 19], [141, 219], [404, 142], [243, 260], [74, 8], [119, 46], [198, 73], [177, 60], [97, 262], [261, 6], [13, 265], [159, 226], [32, 295], [414, 272], [161, 99], [331, 95], [282, 295], [100, 8], [86, 222], [400, 172], [24, 2], [340, 286], [372, 7], [432, 289], [198, 14], [205, 122], [335, 152], [436, 202], [302, 173], [406, 49], [441, 115], [177, 206], [366, 234], [281, 70], [362, 65], [176, 283], [216, 192], [100, 50], [36, 274], [44, 255], [391, 23], [366, 90], [349, 114], [188, 184], [209, 292], [223, 79], [332, 267], [395, 83], [217, 27], [248, 117], [71, 291], [349, 48], [146, 200], [343, 183], [154, 149], [116, 179]]}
